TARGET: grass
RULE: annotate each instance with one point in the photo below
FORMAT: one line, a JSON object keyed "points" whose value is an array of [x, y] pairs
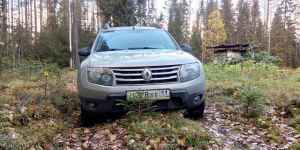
{"points": [[29, 116], [25, 108], [295, 146], [52, 111], [279, 86], [168, 130]]}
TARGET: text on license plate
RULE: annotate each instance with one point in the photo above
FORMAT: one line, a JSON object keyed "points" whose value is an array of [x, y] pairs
{"points": [[148, 95]]}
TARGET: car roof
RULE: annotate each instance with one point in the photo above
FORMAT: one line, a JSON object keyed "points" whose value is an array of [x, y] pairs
{"points": [[126, 28]]}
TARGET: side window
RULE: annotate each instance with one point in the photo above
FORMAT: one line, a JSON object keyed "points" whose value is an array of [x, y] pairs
{"points": [[98, 43], [173, 39], [104, 46]]}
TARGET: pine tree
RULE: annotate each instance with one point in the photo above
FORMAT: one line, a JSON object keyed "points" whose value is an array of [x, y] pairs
{"points": [[284, 42], [177, 21], [291, 44], [51, 17], [3, 26], [118, 12], [277, 32], [196, 41], [256, 24], [283, 38], [228, 20], [243, 23]]}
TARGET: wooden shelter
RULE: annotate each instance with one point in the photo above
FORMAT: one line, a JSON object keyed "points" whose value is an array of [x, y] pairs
{"points": [[231, 51]]}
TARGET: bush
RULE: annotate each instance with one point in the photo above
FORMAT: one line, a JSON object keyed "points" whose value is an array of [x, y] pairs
{"points": [[53, 47], [225, 60], [259, 57], [252, 100], [263, 57]]}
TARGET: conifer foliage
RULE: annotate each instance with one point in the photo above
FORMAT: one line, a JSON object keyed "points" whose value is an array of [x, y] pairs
{"points": [[52, 31]]}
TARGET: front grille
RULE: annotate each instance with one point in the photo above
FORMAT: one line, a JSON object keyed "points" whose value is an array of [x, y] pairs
{"points": [[133, 75]]}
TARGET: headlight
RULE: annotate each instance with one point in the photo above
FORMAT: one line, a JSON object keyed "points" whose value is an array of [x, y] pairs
{"points": [[101, 76], [190, 72]]}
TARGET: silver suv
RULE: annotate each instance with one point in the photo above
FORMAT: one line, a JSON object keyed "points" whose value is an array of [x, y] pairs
{"points": [[140, 64]]}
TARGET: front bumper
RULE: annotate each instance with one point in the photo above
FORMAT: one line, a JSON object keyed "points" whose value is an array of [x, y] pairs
{"points": [[104, 99]]}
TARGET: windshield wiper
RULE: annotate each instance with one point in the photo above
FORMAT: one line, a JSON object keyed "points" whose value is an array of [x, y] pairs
{"points": [[143, 48], [115, 49], [112, 49]]}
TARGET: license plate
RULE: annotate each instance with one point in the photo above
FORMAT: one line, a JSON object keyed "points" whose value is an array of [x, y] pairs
{"points": [[148, 95]]}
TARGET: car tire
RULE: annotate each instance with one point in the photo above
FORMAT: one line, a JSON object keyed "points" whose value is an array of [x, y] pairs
{"points": [[86, 119], [195, 113]]}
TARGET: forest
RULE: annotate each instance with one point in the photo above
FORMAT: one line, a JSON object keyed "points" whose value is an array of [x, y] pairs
{"points": [[253, 103], [39, 30]]}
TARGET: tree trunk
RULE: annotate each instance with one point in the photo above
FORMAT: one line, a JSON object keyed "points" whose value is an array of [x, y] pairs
{"points": [[41, 16], [76, 26], [35, 20], [30, 19], [26, 15], [70, 32], [12, 30], [19, 13], [12, 16], [51, 18], [3, 27]]}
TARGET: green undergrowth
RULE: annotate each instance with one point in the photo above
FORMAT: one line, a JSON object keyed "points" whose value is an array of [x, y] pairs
{"points": [[165, 131], [248, 90], [34, 108], [270, 84], [37, 105]]}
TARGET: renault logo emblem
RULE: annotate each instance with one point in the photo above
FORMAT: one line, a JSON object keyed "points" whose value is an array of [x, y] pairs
{"points": [[147, 74]]}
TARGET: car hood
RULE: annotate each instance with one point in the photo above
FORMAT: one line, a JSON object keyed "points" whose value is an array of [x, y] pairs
{"points": [[135, 58]]}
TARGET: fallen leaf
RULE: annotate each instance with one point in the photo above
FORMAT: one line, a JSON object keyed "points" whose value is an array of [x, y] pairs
{"points": [[112, 137], [85, 145], [181, 141]]}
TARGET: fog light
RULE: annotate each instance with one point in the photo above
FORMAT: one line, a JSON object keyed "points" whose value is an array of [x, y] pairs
{"points": [[91, 105], [196, 99]]}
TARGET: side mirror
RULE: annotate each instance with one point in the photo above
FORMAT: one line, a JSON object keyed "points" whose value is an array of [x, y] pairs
{"points": [[186, 47], [84, 52], [90, 44]]}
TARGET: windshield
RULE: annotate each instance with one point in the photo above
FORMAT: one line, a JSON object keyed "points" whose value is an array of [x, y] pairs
{"points": [[135, 39]]}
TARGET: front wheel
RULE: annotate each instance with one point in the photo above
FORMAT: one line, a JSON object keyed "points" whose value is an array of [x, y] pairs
{"points": [[86, 119], [195, 113]]}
